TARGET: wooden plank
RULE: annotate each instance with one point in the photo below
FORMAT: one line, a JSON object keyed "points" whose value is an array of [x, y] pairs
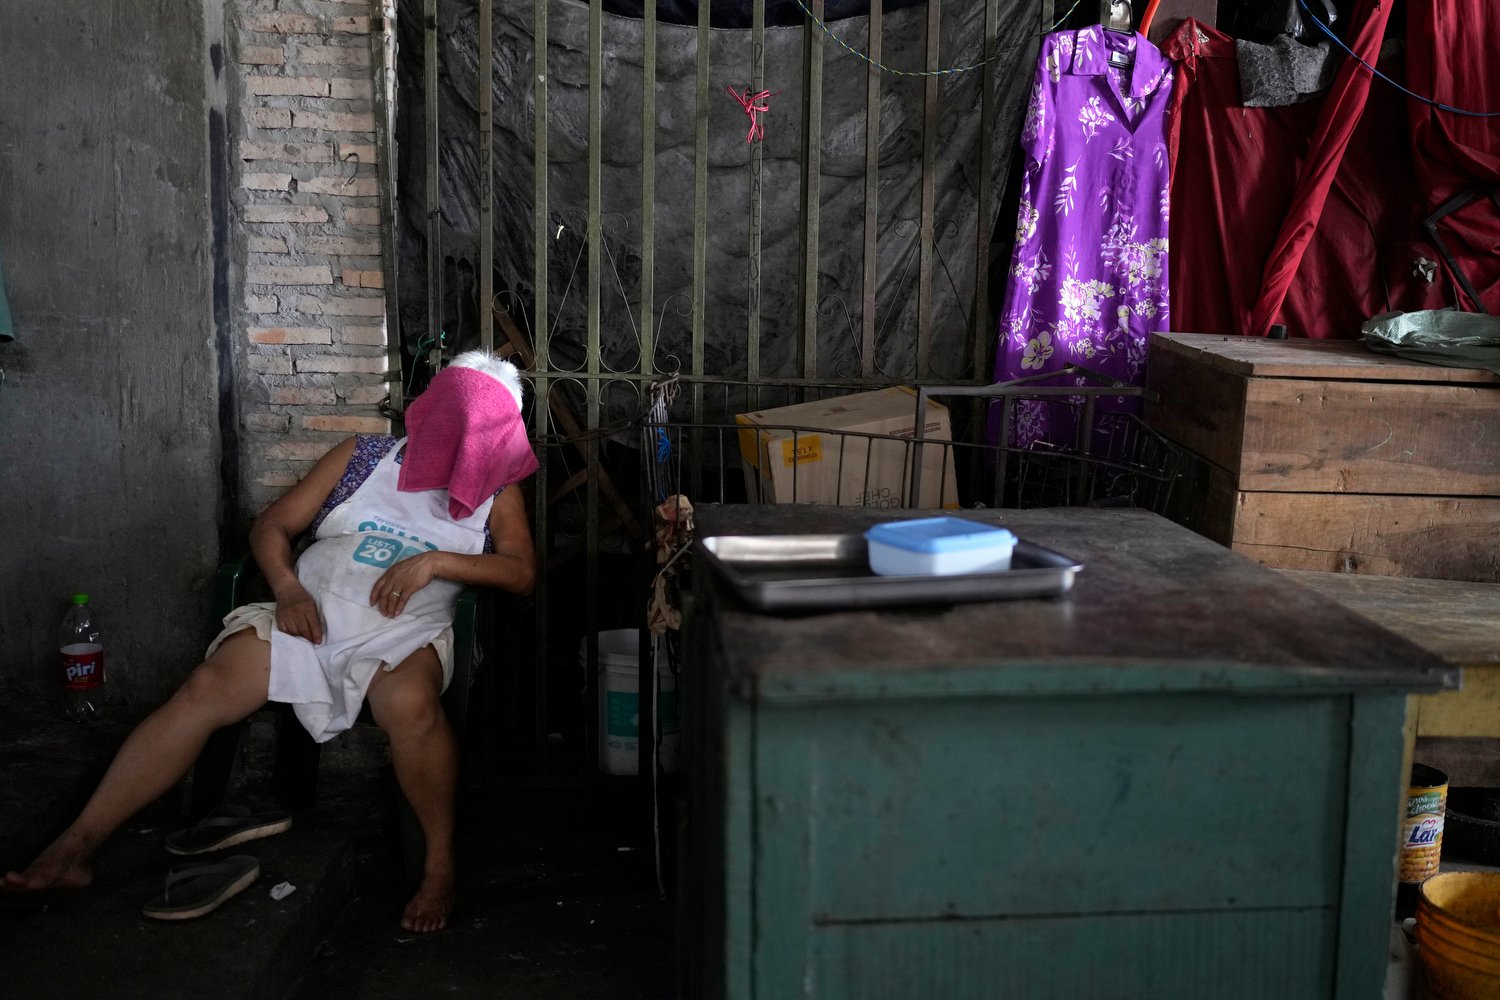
{"points": [[787, 758], [1348, 359], [1473, 711], [1220, 506], [1465, 760], [1215, 620], [1304, 436], [1452, 618], [1449, 538], [1199, 406], [1376, 797], [1063, 806], [1226, 955]]}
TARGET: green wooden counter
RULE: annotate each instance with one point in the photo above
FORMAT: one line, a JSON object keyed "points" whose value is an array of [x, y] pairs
{"points": [[1182, 779]]}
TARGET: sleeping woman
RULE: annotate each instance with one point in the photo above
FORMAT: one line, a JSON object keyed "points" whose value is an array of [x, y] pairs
{"points": [[399, 527]]}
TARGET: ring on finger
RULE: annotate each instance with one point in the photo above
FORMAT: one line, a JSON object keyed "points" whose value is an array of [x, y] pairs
{"points": [[395, 593]]}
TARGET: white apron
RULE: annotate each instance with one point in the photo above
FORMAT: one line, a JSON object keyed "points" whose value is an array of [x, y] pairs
{"points": [[358, 541]]}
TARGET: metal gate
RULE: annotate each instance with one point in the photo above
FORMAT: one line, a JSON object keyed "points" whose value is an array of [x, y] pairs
{"points": [[586, 408]]}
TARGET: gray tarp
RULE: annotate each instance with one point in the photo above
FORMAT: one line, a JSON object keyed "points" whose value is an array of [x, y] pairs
{"points": [[840, 263]]}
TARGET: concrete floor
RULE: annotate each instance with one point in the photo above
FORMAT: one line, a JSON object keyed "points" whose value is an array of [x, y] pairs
{"points": [[558, 895], [556, 901]]}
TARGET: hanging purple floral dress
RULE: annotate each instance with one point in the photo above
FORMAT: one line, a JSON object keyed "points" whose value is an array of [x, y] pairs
{"points": [[1088, 278]]}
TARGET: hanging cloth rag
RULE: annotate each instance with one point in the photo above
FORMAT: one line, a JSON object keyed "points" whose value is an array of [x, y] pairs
{"points": [[1283, 72], [674, 533], [1336, 121], [467, 437]]}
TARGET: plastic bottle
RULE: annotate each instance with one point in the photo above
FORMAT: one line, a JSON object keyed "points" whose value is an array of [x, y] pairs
{"points": [[82, 648]]}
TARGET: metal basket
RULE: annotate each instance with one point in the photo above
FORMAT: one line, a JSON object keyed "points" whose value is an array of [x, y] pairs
{"points": [[1115, 459]]}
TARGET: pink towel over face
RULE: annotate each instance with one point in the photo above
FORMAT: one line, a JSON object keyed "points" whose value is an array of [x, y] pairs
{"points": [[464, 434]]}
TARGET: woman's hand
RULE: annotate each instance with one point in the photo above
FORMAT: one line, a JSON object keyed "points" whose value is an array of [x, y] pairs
{"points": [[397, 584], [297, 613]]}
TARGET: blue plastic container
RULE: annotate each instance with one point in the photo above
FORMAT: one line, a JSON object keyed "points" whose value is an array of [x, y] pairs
{"points": [[938, 546]]}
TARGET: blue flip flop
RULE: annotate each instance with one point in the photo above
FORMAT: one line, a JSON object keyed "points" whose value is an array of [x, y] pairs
{"points": [[194, 890], [226, 826]]}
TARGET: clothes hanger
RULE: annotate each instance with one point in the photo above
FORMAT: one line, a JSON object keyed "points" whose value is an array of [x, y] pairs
{"points": [[1148, 17], [1117, 16]]}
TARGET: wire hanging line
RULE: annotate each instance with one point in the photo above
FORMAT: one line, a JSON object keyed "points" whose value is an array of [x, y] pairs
{"points": [[1409, 93], [932, 72]]}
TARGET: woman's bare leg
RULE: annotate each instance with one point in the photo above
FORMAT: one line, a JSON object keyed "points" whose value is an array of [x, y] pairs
{"points": [[229, 686], [405, 703]]}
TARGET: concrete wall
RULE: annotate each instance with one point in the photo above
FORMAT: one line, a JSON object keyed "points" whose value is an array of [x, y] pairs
{"points": [[109, 411]]}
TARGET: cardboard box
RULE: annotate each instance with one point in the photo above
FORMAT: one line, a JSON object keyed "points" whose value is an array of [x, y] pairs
{"points": [[817, 452]]}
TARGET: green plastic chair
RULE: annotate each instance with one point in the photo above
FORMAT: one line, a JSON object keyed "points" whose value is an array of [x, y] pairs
{"points": [[295, 770]]}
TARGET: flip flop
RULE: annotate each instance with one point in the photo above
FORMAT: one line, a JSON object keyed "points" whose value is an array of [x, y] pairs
{"points": [[225, 827], [196, 889]]}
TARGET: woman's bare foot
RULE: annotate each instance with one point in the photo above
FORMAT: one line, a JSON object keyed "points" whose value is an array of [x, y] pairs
{"points": [[63, 865], [429, 908]]}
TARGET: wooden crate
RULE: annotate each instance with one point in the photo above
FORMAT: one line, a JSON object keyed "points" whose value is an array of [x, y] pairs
{"points": [[1323, 455]]}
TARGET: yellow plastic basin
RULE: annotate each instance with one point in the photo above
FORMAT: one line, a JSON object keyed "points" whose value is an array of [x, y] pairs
{"points": [[1458, 931]]}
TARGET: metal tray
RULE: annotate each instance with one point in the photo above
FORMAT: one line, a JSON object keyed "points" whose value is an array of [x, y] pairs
{"points": [[824, 572]]}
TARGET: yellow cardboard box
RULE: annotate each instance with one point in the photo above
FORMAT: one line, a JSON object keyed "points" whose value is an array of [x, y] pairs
{"points": [[818, 452]]}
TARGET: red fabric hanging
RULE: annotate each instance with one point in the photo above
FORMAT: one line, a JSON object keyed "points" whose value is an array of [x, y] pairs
{"points": [[1340, 111], [1450, 57], [1233, 169], [1234, 178]]}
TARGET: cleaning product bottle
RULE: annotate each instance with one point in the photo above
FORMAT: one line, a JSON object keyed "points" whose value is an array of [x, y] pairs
{"points": [[82, 649]]}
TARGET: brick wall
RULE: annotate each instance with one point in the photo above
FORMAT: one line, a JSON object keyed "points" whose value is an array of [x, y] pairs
{"points": [[310, 315]]}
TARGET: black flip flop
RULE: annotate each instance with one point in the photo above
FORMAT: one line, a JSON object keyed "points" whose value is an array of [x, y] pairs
{"points": [[226, 826], [197, 889]]}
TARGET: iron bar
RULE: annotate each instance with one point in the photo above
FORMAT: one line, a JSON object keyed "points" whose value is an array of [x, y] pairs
{"points": [[700, 221], [929, 189], [595, 186], [540, 410], [756, 85], [700, 190], [792, 381], [812, 186], [980, 330], [434, 195], [872, 190], [648, 191], [486, 72], [593, 388]]}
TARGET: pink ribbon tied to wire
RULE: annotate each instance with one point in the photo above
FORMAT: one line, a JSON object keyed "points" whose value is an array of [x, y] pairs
{"points": [[754, 106]]}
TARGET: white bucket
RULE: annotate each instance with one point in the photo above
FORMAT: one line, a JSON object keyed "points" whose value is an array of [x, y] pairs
{"points": [[619, 703]]}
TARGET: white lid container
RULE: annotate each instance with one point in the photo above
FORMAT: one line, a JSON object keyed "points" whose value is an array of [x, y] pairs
{"points": [[938, 546]]}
